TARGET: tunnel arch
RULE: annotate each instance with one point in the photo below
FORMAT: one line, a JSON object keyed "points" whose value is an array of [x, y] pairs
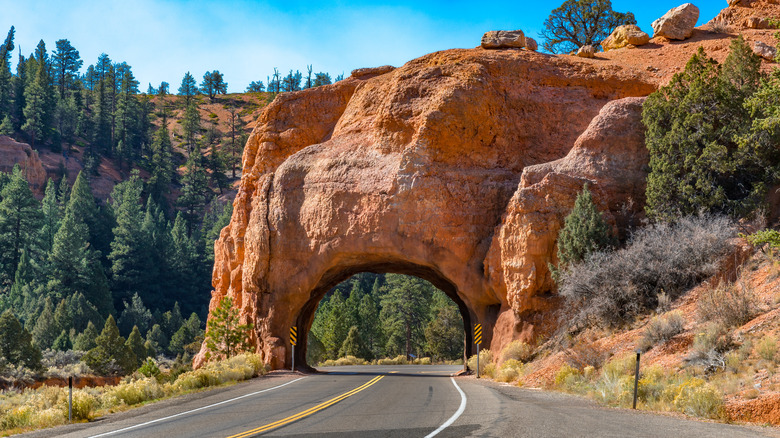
{"points": [[336, 276]]}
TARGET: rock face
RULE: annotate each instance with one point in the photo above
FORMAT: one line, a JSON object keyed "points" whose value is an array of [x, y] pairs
{"points": [[503, 39], [623, 36], [678, 23], [425, 170], [765, 50], [13, 152], [586, 52], [531, 44]]}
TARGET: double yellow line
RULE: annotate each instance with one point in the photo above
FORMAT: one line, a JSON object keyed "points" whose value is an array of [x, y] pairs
{"points": [[307, 412]]}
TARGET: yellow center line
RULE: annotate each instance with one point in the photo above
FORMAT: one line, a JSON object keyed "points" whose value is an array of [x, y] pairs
{"points": [[307, 412]]}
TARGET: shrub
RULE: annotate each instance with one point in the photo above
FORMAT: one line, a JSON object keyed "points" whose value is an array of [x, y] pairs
{"points": [[132, 393], [767, 348], [485, 358], [567, 377], [83, 405], [517, 350], [661, 329], [510, 371], [149, 368], [709, 347], [698, 398], [732, 304], [613, 288], [584, 231]]}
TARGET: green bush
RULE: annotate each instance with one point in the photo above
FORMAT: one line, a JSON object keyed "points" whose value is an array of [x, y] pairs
{"points": [[567, 377], [517, 350], [584, 231], [83, 405], [509, 371], [485, 358], [698, 398]]}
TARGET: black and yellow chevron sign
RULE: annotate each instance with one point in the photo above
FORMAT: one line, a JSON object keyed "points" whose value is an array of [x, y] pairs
{"points": [[294, 335], [477, 334]]}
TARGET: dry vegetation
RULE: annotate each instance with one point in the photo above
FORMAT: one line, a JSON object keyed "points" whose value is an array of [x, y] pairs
{"points": [[48, 406]]}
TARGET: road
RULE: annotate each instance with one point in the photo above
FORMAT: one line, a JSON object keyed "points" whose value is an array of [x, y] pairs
{"points": [[387, 401]]}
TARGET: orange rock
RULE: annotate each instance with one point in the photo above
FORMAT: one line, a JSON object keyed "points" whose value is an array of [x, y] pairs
{"points": [[418, 171], [13, 152]]}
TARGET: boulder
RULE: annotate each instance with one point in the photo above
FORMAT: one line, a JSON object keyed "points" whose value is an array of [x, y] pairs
{"points": [[765, 50], [757, 23], [586, 52], [678, 23], [626, 35], [531, 44], [413, 172], [365, 73], [12, 153], [503, 39]]}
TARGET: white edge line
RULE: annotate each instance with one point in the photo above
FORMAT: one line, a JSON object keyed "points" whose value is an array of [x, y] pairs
{"points": [[455, 415], [194, 410]]}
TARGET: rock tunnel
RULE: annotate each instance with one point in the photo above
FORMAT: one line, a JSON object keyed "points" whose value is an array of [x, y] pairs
{"points": [[458, 167]]}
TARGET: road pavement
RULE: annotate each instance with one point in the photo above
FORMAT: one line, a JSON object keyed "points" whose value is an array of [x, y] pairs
{"points": [[387, 401]]}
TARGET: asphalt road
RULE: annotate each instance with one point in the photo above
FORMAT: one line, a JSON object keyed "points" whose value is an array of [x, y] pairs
{"points": [[388, 401]]}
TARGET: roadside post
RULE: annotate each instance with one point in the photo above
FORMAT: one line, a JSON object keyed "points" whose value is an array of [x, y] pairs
{"points": [[477, 340], [70, 399], [293, 341], [636, 377]]}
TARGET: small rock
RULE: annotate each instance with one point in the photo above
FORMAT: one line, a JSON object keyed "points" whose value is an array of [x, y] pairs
{"points": [[678, 23], [503, 39], [586, 52], [757, 23], [372, 71], [530, 44], [622, 36], [764, 50], [733, 2]]}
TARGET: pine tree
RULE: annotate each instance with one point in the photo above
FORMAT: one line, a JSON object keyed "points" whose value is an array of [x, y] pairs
{"points": [[190, 125], [20, 219], [335, 327], [110, 354], [188, 89], [353, 344], [444, 334], [157, 339], [129, 250], [62, 343], [404, 312], [16, 345], [213, 84], [85, 340], [136, 315], [62, 316], [370, 325], [183, 259], [6, 127], [82, 312], [193, 194], [6, 79], [66, 63], [172, 321], [46, 329], [255, 87], [135, 342], [225, 335], [160, 163], [584, 231], [51, 216]]}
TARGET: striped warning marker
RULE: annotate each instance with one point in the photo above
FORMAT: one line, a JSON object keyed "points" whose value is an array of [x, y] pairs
{"points": [[294, 335], [477, 334]]}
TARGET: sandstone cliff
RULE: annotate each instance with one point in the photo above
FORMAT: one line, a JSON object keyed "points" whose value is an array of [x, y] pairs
{"points": [[420, 170], [13, 153]]}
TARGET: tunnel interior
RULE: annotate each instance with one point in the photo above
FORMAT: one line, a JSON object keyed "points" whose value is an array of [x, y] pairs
{"points": [[335, 276]]}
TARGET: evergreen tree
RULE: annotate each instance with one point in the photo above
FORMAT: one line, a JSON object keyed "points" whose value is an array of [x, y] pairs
{"points": [[255, 87], [20, 220], [51, 216], [353, 344], [444, 334], [66, 63], [404, 312], [157, 339], [172, 321], [135, 342], [584, 231], [66, 117], [188, 89], [370, 325], [85, 340], [110, 354], [127, 117], [322, 79], [190, 125], [213, 84], [136, 315], [129, 249], [82, 313], [34, 111], [46, 329], [237, 138], [161, 163], [6, 127], [6, 79], [225, 335], [62, 316], [62, 343], [335, 327], [16, 345], [193, 194], [704, 154], [183, 261]]}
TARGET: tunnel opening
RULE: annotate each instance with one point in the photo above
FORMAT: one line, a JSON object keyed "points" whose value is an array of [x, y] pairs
{"points": [[376, 299]]}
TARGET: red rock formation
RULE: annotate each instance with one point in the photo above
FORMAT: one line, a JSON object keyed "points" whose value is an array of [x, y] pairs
{"points": [[412, 171], [13, 152]]}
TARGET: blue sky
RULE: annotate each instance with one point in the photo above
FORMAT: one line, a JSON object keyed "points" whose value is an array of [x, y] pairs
{"points": [[245, 40]]}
